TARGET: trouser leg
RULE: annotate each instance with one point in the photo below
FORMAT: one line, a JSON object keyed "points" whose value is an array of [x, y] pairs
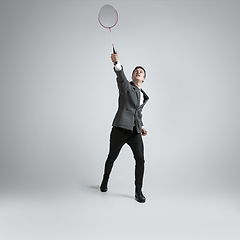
{"points": [[136, 144], [116, 143]]}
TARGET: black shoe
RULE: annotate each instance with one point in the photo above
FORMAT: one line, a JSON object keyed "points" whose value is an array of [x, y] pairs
{"points": [[103, 187], [139, 197]]}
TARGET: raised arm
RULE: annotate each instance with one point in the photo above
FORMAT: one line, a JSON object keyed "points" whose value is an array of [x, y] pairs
{"points": [[122, 81]]}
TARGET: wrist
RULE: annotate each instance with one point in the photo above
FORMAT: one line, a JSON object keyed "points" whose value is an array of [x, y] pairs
{"points": [[118, 66]]}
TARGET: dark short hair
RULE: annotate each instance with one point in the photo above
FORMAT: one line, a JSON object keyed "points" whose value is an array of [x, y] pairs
{"points": [[141, 68]]}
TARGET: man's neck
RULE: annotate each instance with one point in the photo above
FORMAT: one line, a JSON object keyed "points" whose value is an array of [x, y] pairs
{"points": [[138, 84]]}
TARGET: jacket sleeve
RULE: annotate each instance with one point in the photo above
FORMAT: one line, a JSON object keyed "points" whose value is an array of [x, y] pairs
{"points": [[122, 82]]}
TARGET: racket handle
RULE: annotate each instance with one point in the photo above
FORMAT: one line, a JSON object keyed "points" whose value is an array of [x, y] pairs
{"points": [[114, 53]]}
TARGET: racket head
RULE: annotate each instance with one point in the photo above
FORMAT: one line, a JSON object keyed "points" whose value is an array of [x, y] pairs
{"points": [[108, 16]]}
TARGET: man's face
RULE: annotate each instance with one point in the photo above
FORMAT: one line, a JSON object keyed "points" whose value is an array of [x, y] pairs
{"points": [[138, 75]]}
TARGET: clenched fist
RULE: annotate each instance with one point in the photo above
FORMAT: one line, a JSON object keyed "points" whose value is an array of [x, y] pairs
{"points": [[114, 57]]}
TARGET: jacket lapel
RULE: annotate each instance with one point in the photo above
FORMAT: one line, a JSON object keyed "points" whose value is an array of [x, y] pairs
{"points": [[137, 92]]}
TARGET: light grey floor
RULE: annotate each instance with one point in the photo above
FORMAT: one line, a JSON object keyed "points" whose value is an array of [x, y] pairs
{"points": [[58, 97], [86, 213]]}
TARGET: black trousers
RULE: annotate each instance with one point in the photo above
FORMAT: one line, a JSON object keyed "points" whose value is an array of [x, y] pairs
{"points": [[118, 138]]}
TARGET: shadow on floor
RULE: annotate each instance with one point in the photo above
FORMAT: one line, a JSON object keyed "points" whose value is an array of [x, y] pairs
{"points": [[96, 188]]}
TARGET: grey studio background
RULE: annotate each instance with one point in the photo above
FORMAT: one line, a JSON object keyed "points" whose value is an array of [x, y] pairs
{"points": [[58, 97]]}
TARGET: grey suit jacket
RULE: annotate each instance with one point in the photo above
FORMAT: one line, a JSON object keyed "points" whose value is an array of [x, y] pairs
{"points": [[129, 113]]}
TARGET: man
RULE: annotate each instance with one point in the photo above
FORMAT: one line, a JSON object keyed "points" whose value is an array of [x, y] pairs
{"points": [[128, 125]]}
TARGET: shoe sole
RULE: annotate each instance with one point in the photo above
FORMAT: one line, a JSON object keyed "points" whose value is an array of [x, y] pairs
{"points": [[103, 190], [140, 201]]}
